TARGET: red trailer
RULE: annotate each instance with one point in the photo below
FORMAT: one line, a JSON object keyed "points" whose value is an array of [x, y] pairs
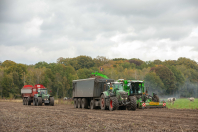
{"points": [[37, 95]]}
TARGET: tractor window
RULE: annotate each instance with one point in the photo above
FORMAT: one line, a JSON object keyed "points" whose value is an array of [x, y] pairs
{"points": [[136, 88], [118, 85], [43, 91]]}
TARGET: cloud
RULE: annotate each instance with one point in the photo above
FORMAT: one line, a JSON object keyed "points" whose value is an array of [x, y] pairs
{"points": [[47, 30]]}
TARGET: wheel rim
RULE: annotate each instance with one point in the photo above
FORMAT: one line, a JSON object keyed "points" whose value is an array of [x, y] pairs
{"points": [[111, 103], [102, 102]]}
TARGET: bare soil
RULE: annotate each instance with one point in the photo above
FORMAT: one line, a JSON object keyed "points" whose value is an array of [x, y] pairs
{"points": [[18, 117]]}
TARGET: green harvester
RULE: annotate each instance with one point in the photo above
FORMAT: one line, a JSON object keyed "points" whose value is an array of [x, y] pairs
{"points": [[136, 88]]}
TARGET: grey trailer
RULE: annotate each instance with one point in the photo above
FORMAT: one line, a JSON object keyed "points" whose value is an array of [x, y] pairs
{"points": [[87, 92]]}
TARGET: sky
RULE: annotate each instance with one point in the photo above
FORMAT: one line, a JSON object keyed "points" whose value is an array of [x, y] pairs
{"points": [[34, 30]]}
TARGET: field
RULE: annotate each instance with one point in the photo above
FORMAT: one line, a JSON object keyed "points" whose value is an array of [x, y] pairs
{"points": [[17, 117], [183, 103]]}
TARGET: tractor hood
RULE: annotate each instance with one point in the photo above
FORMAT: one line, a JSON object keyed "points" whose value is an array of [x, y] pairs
{"points": [[123, 94], [45, 95]]}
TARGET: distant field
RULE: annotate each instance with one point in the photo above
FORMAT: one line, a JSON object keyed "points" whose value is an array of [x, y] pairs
{"points": [[183, 103]]}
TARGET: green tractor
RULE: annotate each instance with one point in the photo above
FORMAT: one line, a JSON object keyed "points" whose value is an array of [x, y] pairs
{"points": [[42, 96], [136, 88], [115, 98]]}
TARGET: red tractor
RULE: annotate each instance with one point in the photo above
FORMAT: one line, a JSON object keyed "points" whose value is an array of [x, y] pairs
{"points": [[37, 94]]}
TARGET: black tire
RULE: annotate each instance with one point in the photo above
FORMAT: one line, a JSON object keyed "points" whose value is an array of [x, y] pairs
{"points": [[52, 101], [113, 103], [102, 102], [39, 101], [75, 103], [79, 102], [133, 103], [92, 104], [36, 102], [23, 101], [84, 103], [28, 101]]}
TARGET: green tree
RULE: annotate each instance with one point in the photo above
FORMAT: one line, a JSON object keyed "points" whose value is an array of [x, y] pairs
{"points": [[167, 77], [154, 83]]}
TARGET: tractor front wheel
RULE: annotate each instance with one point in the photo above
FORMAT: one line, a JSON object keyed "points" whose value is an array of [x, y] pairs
{"points": [[52, 101], [133, 103], [113, 103], [39, 101]]}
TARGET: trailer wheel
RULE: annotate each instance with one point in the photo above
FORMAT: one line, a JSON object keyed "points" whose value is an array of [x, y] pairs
{"points": [[39, 101], [52, 101], [113, 103], [84, 103], [92, 104], [102, 102], [23, 101], [75, 103], [34, 102], [28, 101], [79, 103], [133, 103]]}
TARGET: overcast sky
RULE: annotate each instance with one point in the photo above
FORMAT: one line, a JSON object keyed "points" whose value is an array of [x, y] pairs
{"points": [[34, 30]]}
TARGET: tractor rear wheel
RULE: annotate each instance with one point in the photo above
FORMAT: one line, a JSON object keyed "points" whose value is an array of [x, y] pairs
{"points": [[84, 103], [102, 102], [39, 101], [92, 104], [52, 101], [113, 103], [133, 103], [75, 103], [79, 102]]}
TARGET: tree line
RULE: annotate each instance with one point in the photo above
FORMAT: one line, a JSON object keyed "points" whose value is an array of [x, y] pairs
{"points": [[169, 77]]}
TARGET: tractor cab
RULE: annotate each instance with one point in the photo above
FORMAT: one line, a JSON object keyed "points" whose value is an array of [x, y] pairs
{"points": [[42, 91], [113, 86], [134, 87]]}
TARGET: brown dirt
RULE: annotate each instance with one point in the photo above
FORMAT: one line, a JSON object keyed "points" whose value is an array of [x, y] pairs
{"points": [[17, 117]]}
